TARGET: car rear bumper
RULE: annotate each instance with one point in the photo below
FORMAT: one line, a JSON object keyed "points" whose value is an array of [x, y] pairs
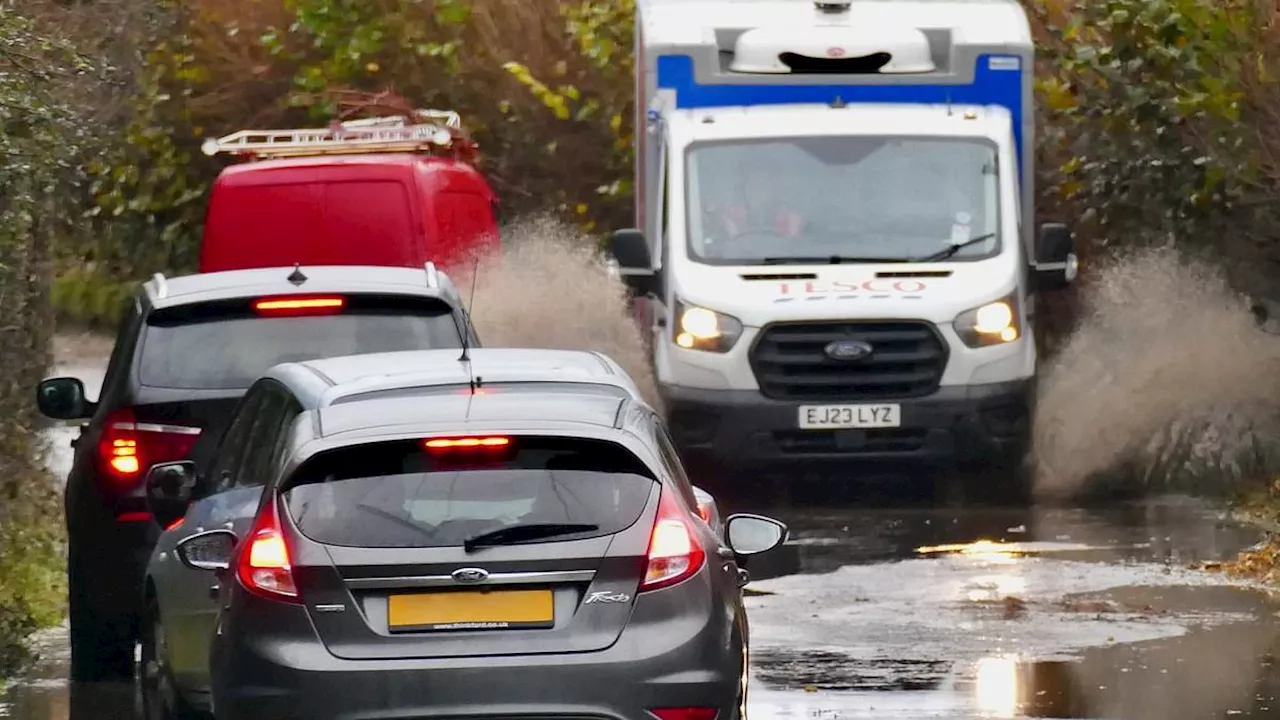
{"points": [[272, 666], [108, 559], [986, 424]]}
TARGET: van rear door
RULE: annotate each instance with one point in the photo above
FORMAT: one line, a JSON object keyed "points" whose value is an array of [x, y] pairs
{"points": [[340, 215]]}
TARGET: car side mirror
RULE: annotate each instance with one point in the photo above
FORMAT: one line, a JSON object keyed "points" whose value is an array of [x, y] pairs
{"points": [[63, 398], [210, 550], [630, 250], [170, 488], [753, 534], [1056, 264]]}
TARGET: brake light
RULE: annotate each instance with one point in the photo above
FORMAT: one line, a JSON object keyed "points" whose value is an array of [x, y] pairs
{"points": [[674, 552], [299, 305], [466, 442], [684, 713], [127, 448], [263, 565]]}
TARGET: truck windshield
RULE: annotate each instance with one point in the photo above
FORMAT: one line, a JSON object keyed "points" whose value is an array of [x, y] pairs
{"points": [[841, 199]]}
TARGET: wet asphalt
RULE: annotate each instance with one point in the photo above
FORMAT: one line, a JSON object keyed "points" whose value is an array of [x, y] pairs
{"points": [[906, 608], [925, 612]]}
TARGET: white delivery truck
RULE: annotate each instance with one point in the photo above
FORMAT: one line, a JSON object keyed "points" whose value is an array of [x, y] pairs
{"points": [[836, 249]]}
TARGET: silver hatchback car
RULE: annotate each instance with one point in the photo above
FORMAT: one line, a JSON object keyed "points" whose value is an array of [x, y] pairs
{"points": [[526, 547]]}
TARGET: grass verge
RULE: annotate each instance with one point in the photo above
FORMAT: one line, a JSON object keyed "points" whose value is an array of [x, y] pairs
{"points": [[32, 573]]}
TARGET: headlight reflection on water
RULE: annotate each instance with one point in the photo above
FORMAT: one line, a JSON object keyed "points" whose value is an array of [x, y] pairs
{"points": [[996, 687]]}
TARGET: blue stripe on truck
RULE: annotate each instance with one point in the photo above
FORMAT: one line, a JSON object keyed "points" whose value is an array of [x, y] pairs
{"points": [[999, 86]]}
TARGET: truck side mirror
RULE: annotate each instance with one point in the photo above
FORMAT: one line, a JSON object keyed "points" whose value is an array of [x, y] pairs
{"points": [[1056, 264], [631, 251]]}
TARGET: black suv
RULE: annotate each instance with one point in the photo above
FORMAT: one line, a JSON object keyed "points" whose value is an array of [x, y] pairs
{"points": [[186, 351]]}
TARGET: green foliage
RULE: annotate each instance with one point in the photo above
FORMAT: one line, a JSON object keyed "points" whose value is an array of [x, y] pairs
{"points": [[602, 32], [148, 190], [42, 140], [33, 586], [1144, 114], [341, 43]]}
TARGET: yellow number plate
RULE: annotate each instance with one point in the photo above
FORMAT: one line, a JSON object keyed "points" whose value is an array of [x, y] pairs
{"points": [[493, 610]]}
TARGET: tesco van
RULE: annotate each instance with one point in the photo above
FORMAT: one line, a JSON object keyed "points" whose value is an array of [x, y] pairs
{"points": [[386, 191]]}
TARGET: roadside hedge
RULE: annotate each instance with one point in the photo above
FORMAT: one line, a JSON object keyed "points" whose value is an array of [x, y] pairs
{"points": [[42, 83]]}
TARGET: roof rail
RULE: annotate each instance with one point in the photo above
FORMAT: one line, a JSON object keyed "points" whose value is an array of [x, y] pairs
{"points": [[162, 287], [434, 130], [433, 276]]}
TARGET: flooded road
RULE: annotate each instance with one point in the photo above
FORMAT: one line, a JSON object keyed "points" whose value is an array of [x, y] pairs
{"points": [[924, 612], [960, 613]]}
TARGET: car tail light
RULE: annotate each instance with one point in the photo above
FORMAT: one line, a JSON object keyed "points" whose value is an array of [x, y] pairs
{"points": [[684, 713], [299, 305], [127, 448], [263, 565], [466, 443], [674, 552]]}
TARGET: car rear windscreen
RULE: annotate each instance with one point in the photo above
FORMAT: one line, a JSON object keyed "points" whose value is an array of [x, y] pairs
{"points": [[403, 494], [228, 345]]}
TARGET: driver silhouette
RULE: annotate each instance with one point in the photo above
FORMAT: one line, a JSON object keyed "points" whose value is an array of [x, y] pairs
{"points": [[759, 208]]}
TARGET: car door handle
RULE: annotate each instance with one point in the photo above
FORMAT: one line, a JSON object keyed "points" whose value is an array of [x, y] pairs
{"points": [[214, 589]]}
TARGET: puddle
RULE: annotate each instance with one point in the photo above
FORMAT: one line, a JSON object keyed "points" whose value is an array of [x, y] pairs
{"points": [[1224, 672], [993, 549], [952, 613]]}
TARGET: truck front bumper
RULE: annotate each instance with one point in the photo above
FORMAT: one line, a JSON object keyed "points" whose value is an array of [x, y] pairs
{"points": [[982, 425]]}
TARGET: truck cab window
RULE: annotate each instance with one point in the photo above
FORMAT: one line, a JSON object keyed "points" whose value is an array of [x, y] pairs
{"points": [[864, 197]]}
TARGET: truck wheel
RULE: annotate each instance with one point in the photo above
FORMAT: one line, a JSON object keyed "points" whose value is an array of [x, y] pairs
{"points": [[101, 647]]}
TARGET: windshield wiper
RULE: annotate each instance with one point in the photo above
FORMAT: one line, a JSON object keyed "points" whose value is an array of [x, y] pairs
{"points": [[957, 247], [516, 534], [830, 260]]}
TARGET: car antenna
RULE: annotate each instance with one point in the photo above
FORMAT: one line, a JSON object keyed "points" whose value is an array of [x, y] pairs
{"points": [[466, 333], [297, 277]]}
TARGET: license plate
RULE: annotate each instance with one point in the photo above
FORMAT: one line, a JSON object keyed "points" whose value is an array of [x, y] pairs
{"points": [[494, 610], [838, 417]]}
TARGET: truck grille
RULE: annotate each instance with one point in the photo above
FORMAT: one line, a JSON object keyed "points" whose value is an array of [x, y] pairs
{"points": [[789, 362]]}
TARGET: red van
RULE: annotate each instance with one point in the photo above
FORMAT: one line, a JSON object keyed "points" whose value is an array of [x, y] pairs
{"points": [[364, 192]]}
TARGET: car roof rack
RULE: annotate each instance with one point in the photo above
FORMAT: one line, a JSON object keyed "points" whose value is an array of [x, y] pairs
{"points": [[429, 131]]}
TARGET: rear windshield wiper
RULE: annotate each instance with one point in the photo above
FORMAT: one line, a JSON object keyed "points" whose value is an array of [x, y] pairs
{"points": [[953, 249], [830, 260], [516, 534]]}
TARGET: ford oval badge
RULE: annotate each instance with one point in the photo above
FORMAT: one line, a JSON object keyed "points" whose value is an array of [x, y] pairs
{"points": [[470, 575], [848, 350]]}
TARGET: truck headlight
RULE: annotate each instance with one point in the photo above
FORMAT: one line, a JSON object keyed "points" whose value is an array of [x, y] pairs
{"points": [[697, 328], [994, 323]]}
